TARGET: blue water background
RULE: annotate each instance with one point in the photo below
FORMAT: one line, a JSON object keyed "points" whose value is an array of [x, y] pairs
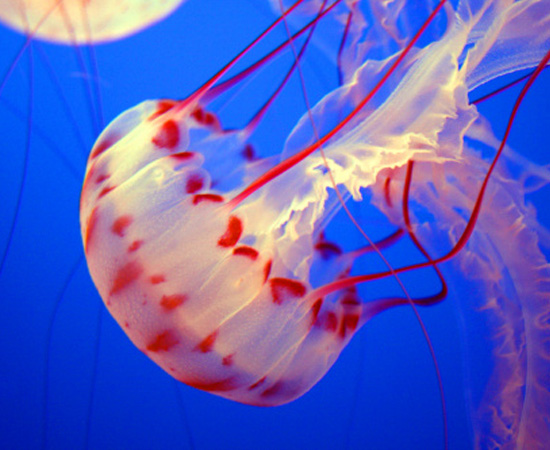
{"points": [[381, 394]]}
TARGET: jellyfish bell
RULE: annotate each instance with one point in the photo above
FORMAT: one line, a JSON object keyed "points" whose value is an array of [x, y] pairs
{"points": [[208, 271], [82, 22], [234, 318]]}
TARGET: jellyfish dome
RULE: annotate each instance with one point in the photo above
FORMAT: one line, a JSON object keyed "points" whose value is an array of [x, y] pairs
{"points": [[76, 21]]}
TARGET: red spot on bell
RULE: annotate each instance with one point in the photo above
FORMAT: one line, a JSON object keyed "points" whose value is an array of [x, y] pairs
{"points": [[101, 178], [228, 360], [163, 342], [126, 275], [349, 323], [120, 225], [170, 302], [232, 234], [134, 246], [194, 183], [198, 114], [90, 229], [267, 270], [247, 251], [157, 279], [226, 384], [103, 145], [331, 321], [284, 289], [168, 135], [207, 343], [182, 156], [162, 107], [105, 191], [199, 198]]}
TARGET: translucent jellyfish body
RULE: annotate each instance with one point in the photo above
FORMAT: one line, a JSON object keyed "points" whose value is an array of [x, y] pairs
{"points": [[76, 21], [207, 267]]}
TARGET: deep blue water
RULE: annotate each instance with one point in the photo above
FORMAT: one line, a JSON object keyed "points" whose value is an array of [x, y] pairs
{"points": [[70, 377]]}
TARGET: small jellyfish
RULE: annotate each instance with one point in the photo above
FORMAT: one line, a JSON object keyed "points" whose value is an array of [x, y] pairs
{"points": [[217, 269]]}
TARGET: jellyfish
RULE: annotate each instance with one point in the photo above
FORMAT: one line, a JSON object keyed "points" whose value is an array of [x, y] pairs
{"points": [[83, 22], [209, 269], [134, 403]]}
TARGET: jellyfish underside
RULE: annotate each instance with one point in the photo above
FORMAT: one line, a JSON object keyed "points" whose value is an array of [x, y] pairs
{"points": [[81, 22]]}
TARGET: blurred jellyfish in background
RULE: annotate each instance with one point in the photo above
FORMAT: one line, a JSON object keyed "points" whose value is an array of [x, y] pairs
{"points": [[72, 379], [71, 22]]}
